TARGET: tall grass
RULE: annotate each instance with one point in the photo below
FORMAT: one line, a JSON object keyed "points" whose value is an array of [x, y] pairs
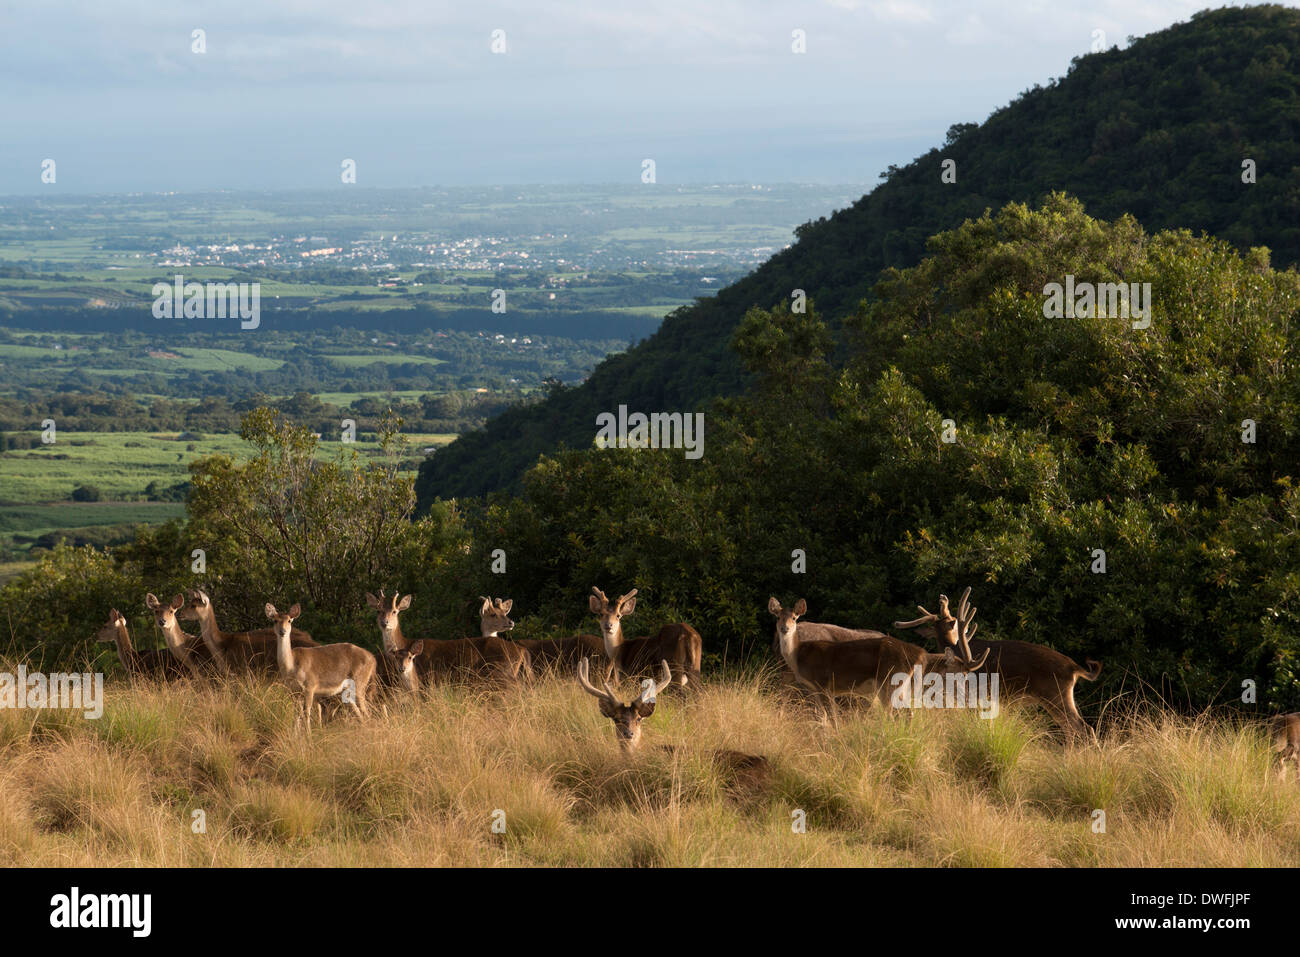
{"points": [[426, 784]]}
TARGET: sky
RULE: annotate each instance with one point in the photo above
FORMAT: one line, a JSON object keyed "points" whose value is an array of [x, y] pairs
{"points": [[711, 90]]}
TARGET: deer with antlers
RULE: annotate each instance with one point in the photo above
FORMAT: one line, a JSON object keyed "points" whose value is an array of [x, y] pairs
{"points": [[494, 618], [340, 670], [242, 651], [157, 663], [483, 657], [678, 644], [1024, 669], [872, 667], [189, 651], [750, 769]]}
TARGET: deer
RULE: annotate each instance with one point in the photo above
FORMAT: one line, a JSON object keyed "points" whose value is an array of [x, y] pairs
{"points": [[188, 650], [1024, 669], [150, 663], [866, 666], [494, 618], [246, 651], [679, 644], [493, 657], [1285, 732], [338, 670], [627, 718]]}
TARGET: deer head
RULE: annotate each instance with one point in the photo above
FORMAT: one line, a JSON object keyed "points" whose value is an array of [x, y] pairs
{"points": [[952, 633], [494, 616], [627, 717], [405, 661], [109, 631], [388, 608], [282, 623], [164, 615], [611, 614], [786, 637], [198, 605]]}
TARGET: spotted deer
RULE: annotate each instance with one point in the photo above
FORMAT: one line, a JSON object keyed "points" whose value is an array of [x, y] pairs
{"points": [[678, 644], [1024, 669]]}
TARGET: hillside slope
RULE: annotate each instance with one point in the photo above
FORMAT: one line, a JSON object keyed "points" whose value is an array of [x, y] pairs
{"points": [[1159, 130]]}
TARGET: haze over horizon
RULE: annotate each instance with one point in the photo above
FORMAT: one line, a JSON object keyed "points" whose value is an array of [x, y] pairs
{"points": [[287, 91]]}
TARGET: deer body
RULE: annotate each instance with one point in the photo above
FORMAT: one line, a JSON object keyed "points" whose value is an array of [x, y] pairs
{"points": [[242, 651], [325, 670], [492, 657], [565, 652], [151, 663], [1285, 731], [865, 666], [678, 644], [189, 652], [1024, 669]]}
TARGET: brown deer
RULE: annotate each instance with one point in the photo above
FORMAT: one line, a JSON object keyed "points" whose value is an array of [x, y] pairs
{"points": [[339, 670], [751, 769], [1285, 732], [157, 663], [482, 657], [678, 644], [494, 618], [189, 650], [241, 651], [874, 667], [1024, 669]]}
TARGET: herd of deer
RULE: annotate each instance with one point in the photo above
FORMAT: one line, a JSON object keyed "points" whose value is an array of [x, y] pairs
{"points": [[829, 660]]}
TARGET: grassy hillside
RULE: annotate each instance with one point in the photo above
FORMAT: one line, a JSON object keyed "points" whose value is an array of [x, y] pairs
{"points": [[421, 786], [1158, 130]]}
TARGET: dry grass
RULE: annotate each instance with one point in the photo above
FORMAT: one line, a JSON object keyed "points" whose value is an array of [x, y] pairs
{"points": [[424, 785]]}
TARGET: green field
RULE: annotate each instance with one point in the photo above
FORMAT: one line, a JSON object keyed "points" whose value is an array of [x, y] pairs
{"points": [[36, 484]]}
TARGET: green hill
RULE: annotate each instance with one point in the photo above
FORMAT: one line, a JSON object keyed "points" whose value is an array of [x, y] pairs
{"points": [[1159, 130]]}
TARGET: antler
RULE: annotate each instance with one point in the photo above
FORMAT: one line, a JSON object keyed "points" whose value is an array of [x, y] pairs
{"points": [[587, 686], [599, 594], [965, 628], [924, 620], [652, 688]]}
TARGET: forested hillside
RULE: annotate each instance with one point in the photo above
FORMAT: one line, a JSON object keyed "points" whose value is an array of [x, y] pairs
{"points": [[1158, 130]]}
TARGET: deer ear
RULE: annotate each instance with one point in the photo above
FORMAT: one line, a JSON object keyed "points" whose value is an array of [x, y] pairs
{"points": [[627, 605], [928, 632], [151, 601], [178, 602], [596, 605], [373, 602], [404, 604], [270, 611], [417, 648], [644, 708], [800, 608], [773, 606], [506, 605], [486, 607], [608, 708], [295, 610]]}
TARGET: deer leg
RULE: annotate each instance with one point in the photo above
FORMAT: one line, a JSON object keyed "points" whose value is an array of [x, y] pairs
{"points": [[308, 702]]}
